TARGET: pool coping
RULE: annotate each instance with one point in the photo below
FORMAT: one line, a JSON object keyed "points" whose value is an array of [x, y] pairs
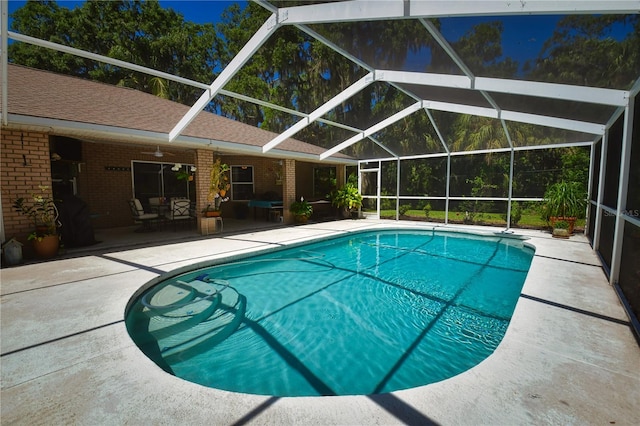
{"points": [[568, 356]]}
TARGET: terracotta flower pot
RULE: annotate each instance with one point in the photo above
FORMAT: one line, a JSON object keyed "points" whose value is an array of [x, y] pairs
{"points": [[47, 246]]}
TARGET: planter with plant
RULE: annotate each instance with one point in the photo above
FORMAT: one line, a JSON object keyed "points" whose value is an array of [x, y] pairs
{"points": [[183, 172], [348, 199], [218, 188], [301, 210], [41, 208], [564, 201]]}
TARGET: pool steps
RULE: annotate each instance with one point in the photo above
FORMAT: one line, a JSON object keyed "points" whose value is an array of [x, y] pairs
{"points": [[183, 317]]}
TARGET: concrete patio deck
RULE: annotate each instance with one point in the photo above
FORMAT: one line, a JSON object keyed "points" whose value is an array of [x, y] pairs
{"points": [[568, 357]]}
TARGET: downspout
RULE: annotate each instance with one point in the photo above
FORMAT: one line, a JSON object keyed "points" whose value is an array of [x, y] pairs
{"points": [[4, 83], [4, 60]]}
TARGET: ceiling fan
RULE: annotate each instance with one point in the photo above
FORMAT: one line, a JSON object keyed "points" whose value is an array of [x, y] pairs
{"points": [[157, 153]]}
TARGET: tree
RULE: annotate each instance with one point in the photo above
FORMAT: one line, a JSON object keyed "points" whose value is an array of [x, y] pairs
{"points": [[481, 49], [609, 62], [140, 32]]}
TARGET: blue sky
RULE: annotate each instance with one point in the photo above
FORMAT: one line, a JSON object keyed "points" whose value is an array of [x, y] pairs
{"points": [[200, 11], [522, 38]]}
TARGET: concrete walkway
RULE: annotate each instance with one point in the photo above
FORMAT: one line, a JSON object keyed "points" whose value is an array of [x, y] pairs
{"points": [[569, 356]]}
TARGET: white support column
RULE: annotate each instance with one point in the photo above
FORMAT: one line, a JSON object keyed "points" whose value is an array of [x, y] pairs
{"points": [[592, 151], [601, 176], [623, 186], [263, 33], [512, 156], [319, 112], [398, 189], [379, 190], [446, 203]]}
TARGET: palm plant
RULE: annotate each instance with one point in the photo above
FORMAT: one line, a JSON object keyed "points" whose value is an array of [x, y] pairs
{"points": [[564, 199]]}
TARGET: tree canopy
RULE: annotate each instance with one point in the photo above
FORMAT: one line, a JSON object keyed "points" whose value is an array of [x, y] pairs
{"points": [[140, 32]]}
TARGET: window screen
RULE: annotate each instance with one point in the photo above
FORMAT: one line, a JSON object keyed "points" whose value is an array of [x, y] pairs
{"points": [[242, 182]]}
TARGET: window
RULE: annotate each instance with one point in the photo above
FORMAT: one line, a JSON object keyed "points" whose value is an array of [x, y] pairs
{"points": [[158, 180], [242, 182], [324, 181]]}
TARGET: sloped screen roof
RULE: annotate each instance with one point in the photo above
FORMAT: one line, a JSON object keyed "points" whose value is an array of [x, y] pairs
{"points": [[435, 76], [396, 78]]}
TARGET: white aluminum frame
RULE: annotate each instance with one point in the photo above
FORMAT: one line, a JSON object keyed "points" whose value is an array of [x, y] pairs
{"points": [[365, 10], [300, 16], [258, 39]]}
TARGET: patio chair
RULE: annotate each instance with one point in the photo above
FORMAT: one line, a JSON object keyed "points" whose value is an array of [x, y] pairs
{"points": [[180, 211], [139, 216]]}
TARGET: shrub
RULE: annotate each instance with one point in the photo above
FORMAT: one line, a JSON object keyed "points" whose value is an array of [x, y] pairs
{"points": [[427, 209], [516, 213]]}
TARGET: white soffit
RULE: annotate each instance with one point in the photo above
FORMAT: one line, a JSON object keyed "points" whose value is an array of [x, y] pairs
{"points": [[367, 10]]}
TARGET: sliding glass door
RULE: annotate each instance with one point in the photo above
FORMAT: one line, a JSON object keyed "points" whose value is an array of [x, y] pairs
{"points": [[152, 180]]}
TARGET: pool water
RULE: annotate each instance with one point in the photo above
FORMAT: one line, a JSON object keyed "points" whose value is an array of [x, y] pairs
{"points": [[365, 313]]}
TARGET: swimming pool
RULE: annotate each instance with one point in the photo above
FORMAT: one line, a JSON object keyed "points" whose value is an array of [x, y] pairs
{"points": [[365, 313]]}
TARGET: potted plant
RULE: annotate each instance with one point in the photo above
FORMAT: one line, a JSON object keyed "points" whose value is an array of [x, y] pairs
{"points": [[348, 199], [218, 188], [182, 173], [41, 208], [211, 211], [301, 210], [564, 201]]}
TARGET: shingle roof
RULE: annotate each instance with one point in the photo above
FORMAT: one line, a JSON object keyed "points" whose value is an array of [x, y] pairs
{"points": [[45, 94]]}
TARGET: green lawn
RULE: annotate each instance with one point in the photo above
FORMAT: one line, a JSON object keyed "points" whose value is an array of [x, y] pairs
{"points": [[528, 219]]}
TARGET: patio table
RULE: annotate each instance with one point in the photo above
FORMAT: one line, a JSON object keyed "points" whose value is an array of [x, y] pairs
{"points": [[266, 205]]}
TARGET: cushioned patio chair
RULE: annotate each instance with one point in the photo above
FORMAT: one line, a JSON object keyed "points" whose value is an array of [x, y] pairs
{"points": [[139, 216]]}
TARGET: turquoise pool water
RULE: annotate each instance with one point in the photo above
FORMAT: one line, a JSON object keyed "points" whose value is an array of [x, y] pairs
{"points": [[365, 313]]}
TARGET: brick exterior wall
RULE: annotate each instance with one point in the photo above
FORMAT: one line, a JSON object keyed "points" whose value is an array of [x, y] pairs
{"points": [[289, 185], [19, 179]]}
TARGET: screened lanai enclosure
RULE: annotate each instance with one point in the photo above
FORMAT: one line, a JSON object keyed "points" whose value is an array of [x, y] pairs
{"points": [[461, 109]]}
